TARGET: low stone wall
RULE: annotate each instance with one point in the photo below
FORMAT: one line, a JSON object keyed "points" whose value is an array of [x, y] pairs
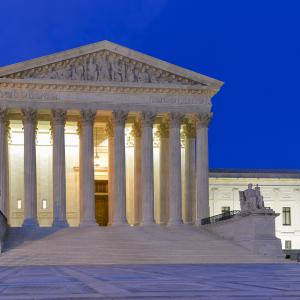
{"points": [[3, 229], [253, 230]]}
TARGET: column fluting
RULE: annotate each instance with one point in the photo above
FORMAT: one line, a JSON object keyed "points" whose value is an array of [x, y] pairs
{"points": [[110, 134], [87, 172], [30, 191], [189, 193], [119, 118], [147, 181], [164, 172], [202, 171], [59, 168], [175, 190], [4, 176], [137, 198]]}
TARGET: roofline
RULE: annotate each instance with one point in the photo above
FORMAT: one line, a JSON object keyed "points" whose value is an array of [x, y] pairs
{"points": [[254, 173], [107, 45]]}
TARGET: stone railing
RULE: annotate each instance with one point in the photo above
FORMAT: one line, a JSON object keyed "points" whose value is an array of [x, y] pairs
{"points": [[3, 229]]}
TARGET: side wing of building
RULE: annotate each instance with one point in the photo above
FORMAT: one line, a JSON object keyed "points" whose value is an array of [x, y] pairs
{"points": [[281, 192]]}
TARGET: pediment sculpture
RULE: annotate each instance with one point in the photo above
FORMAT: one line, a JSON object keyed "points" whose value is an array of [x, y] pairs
{"points": [[251, 199], [103, 66]]}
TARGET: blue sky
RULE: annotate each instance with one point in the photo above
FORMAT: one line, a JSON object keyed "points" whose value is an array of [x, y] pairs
{"points": [[251, 45]]}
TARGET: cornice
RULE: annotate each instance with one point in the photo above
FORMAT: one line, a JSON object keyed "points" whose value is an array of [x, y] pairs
{"points": [[91, 87]]}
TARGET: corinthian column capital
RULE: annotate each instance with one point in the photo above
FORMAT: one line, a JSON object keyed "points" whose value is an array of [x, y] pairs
{"points": [[175, 119], [109, 128], [59, 116], [147, 118], [119, 117], [189, 129], [203, 120], [3, 114], [87, 116], [136, 128], [29, 115]]}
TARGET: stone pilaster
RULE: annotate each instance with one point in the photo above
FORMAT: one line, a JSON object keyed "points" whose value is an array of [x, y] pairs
{"points": [[59, 168], [119, 118], [202, 172], [30, 192], [175, 191], [4, 177], [164, 172], [110, 134], [87, 172], [147, 181], [136, 130], [189, 193]]}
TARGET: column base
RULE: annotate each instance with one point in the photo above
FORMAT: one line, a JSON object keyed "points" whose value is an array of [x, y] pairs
{"points": [[174, 223], [60, 224], [119, 223], [89, 223], [30, 223], [148, 223]]}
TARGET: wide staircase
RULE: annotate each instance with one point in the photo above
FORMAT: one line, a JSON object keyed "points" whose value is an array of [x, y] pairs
{"points": [[122, 245]]}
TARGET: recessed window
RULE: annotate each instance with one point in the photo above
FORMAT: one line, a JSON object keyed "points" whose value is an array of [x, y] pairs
{"points": [[288, 245], [286, 216], [44, 204], [19, 204], [225, 209]]}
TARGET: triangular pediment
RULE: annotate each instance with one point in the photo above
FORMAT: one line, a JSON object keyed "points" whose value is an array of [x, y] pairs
{"points": [[106, 62]]}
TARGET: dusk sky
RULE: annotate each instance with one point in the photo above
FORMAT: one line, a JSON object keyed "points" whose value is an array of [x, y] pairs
{"points": [[251, 45]]}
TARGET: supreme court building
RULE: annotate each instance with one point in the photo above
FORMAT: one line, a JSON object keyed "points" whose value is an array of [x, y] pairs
{"points": [[103, 134]]}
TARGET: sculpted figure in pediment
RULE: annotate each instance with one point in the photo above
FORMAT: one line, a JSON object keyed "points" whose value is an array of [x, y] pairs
{"points": [[103, 68], [78, 71], [130, 73], [92, 73]]}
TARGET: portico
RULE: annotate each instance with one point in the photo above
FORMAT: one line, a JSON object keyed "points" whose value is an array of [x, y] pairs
{"points": [[104, 112]]}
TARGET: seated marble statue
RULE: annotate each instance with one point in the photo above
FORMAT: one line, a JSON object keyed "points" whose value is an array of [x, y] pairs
{"points": [[251, 199]]}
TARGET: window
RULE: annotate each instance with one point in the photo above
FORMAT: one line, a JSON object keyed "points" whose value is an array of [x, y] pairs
{"points": [[286, 216], [288, 245], [44, 204], [225, 209], [19, 204]]}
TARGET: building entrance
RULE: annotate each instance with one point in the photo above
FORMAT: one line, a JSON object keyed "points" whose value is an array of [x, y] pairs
{"points": [[101, 202]]}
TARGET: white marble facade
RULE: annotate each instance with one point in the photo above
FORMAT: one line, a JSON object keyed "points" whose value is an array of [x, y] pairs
{"points": [[280, 189], [142, 111]]}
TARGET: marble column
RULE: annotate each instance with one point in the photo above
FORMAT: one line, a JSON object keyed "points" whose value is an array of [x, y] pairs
{"points": [[87, 172], [119, 118], [110, 134], [175, 191], [136, 130], [202, 171], [30, 192], [164, 172], [4, 187], [189, 193], [59, 168], [147, 181]]}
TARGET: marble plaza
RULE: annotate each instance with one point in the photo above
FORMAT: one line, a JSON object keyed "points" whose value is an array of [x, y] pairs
{"points": [[211, 282]]}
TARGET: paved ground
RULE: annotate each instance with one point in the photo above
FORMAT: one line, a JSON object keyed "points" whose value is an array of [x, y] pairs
{"points": [[228, 281]]}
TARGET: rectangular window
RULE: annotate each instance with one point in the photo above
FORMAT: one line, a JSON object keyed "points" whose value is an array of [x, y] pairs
{"points": [[44, 204], [19, 204], [286, 216], [288, 245], [225, 209]]}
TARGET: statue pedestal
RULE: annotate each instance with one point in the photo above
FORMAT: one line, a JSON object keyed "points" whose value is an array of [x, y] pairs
{"points": [[253, 230]]}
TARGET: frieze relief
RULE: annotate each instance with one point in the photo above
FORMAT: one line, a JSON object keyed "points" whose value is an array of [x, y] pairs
{"points": [[103, 66]]}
